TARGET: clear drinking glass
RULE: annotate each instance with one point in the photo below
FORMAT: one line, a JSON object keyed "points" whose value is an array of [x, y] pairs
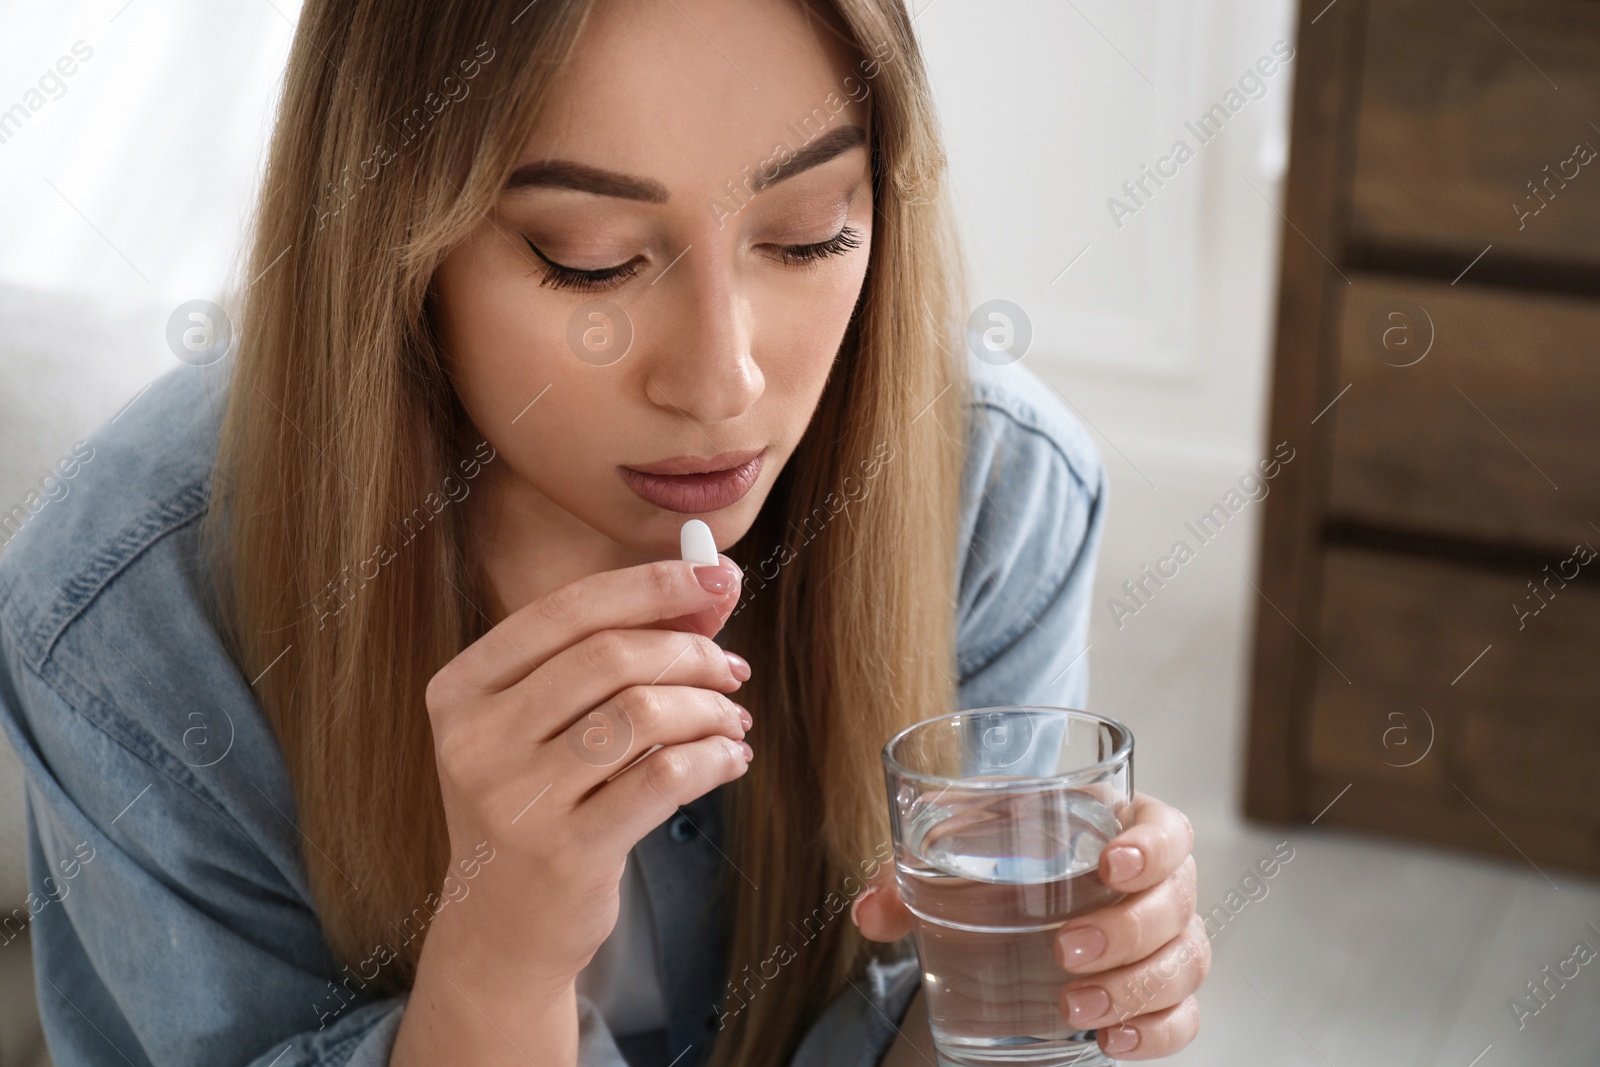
{"points": [[999, 817]]}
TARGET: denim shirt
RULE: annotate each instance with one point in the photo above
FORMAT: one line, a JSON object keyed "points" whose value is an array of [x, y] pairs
{"points": [[172, 922]]}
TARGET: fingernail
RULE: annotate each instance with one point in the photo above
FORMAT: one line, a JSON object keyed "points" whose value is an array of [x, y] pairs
{"points": [[1120, 1039], [1079, 946], [744, 716], [737, 664], [716, 579], [855, 905], [1124, 862], [1086, 1004], [749, 753]]}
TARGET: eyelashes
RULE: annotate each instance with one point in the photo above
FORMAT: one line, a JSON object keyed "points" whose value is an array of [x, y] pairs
{"points": [[845, 240], [556, 276]]}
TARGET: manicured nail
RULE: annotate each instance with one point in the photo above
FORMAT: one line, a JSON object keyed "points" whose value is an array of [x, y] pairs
{"points": [[718, 579], [1124, 863], [1078, 946], [1120, 1039], [744, 716], [749, 753], [1086, 1004], [737, 664], [855, 905]]}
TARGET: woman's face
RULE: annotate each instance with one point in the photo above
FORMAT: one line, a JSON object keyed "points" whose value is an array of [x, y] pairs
{"points": [[639, 300]]}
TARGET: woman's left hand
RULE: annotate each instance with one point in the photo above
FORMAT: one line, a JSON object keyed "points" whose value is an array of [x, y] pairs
{"points": [[1134, 965]]}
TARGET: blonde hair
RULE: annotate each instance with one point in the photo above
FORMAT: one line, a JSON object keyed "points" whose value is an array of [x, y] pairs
{"points": [[340, 418]]}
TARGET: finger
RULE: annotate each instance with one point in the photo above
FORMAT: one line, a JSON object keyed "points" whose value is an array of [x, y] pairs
{"points": [[639, 799], [581, 683], [1156, 844], [1155, 1035], [608, 739], [631, 597], [710, 620], [879, 912], [598, 668], [1130, 929], [1159, 981]]}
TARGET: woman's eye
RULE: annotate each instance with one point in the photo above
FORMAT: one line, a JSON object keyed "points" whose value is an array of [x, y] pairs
{"points": [[799, 255], [557, 276]]}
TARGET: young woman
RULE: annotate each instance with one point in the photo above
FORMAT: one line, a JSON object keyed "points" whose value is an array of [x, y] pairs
{"points": [[369, 713]]}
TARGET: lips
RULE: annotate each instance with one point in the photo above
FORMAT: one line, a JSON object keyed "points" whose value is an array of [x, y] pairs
{"points": [[722, 461], [695, 484]]}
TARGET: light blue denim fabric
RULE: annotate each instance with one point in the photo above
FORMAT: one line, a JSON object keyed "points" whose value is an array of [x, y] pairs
{"points": [[171, 919]]}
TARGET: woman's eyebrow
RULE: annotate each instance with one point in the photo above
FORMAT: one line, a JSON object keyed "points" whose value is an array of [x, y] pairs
{"points": [[564, 174]]}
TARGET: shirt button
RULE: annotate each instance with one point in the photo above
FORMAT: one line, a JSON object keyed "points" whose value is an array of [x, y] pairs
{"points": [[681, 828]]}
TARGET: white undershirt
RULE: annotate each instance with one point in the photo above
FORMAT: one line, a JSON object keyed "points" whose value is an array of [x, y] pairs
{"points": [[623, 979]]}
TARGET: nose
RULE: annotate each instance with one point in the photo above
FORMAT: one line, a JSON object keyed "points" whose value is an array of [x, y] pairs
{"points": [[703, 367]]}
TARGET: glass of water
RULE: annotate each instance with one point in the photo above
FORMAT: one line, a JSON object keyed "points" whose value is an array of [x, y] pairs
{"points": [[999, 817]]}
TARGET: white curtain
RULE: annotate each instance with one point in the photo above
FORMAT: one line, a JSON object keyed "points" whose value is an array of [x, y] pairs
{"points": [[131, 138], [128, 179]]}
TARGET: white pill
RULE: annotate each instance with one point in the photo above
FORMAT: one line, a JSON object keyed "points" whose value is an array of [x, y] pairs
{"points": [[697, 543]]}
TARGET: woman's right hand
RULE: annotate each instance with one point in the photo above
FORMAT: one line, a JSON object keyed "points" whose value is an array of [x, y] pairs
{"points": [[538, 731]]}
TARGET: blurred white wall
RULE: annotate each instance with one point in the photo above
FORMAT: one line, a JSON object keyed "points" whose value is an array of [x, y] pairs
{"points": [[125, 192], [131, 135], [1160, 323], [1155, 325], [131, 181]]}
